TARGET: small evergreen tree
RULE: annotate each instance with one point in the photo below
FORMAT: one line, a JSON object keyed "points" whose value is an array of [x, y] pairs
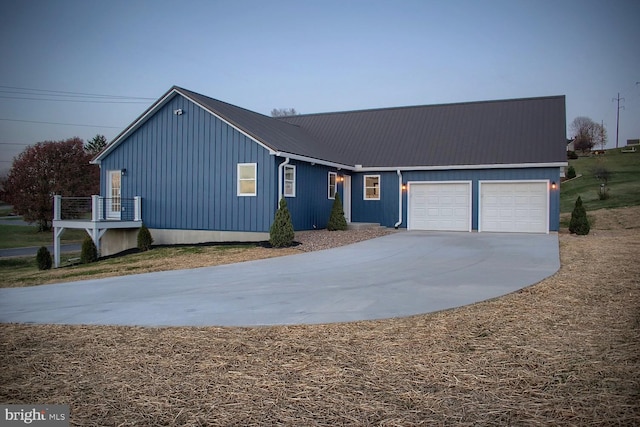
{"points": [[144, 238], [43, 258], [281, 233], [89, 251], [337, 220], [579, 223], [571, 172]]}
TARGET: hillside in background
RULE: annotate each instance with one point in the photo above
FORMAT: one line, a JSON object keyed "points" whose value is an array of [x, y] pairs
{"points": [[624, 183]]}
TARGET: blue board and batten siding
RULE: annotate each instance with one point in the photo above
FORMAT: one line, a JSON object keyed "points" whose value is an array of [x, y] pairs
{"points": [[185, 169], [311, 206], [385, 210]]}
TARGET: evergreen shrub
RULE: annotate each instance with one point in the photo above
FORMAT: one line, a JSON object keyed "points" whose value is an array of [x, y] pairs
{"points": [[43, 258], [89, 251], [281, 233], [336, 219], [144, 238], [579, 223]]}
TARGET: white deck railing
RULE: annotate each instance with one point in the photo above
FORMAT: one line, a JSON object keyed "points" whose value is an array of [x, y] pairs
{"points": [[97, 208]]}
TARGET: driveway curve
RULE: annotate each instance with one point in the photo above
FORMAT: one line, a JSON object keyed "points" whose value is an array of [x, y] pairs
{"points": [[398, 275]]}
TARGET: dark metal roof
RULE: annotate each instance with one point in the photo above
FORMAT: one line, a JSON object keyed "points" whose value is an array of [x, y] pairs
{"points": [[278, 135], [516, 131]]}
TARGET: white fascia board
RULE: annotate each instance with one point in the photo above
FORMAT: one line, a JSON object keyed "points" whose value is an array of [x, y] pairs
{"points": [[312, 160], [460, 167]]}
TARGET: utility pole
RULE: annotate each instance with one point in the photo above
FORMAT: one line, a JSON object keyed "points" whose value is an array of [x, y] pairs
{"points": [[617, 116]]}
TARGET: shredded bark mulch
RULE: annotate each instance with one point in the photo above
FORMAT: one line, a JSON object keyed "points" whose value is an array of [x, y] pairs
{"points": [[564, 351]]}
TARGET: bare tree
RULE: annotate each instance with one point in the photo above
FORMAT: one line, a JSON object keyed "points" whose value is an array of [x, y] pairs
{"points": [[283, 112], [584, 133], [600, 136]]}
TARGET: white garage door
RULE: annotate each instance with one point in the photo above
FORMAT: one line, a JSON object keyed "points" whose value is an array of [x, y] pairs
{"points": [[514, 207], [440, 206]]}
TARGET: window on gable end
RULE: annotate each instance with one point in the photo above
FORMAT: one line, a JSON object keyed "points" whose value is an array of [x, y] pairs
{"points": [[290, 181], [247, 179], [332, 185], [372, 187]]}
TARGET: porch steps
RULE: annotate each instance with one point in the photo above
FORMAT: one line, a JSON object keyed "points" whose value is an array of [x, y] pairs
{"points": [[363, 225]]}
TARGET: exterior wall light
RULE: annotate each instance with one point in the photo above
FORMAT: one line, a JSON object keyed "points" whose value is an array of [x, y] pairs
{"points": [[404, 186], [123, 172], [553, 185]]}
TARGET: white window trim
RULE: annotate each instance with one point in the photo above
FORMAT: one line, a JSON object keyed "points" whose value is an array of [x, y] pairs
{"points": [[255, 179], [293, 181], [335, 185], [364, 187]]}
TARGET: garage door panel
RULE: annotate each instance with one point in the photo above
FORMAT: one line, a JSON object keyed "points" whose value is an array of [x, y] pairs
{"points": [[514, 207], [439, 206]]}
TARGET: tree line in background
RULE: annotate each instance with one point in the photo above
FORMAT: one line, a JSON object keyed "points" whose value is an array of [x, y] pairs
{"points": [[51, 168]]}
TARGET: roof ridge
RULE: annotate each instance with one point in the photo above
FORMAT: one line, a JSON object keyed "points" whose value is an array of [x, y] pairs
{"points": [[406, 107]]}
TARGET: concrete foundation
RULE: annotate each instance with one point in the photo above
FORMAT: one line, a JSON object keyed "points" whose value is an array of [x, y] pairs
{"points": [[115, 240]]}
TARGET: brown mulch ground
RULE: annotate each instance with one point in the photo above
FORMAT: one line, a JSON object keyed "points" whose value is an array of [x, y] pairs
{"points": [[563, 352]]}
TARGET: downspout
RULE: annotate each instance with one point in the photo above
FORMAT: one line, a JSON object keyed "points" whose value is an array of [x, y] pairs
{"points": [[397, 224], [280, 175]]}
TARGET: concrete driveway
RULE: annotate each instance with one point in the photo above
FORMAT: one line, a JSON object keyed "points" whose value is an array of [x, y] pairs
{"points": [[401, 274]]}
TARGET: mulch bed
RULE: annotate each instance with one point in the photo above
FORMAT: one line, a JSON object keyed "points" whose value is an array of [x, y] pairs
{"points": [[564, 351]]}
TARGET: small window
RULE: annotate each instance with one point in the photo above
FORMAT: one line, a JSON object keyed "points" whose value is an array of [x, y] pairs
{"points": [[290, 181], [372, 187], [247, 179], [332, 184]]}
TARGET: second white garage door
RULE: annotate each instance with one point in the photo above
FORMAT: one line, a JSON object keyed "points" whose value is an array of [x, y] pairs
{"points": [[442, 206], [514, 206]]}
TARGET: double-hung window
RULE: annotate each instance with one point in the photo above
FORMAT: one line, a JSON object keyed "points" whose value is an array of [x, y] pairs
{"points": [[247, 179], [372, 187], [333, 178], [290, 181]]}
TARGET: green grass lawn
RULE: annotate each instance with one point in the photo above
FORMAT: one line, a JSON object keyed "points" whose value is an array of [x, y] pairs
{"points": [[20, 236], [23, 271], [624, 184]]}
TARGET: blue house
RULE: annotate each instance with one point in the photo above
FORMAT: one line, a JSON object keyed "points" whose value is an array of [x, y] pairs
{"points": [[202, 170]]}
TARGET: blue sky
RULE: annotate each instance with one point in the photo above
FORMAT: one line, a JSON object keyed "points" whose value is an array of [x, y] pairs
{"points": [[311, 55]]}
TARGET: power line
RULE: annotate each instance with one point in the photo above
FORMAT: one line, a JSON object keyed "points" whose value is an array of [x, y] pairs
{"points": [[63, 124], [66, 93], [74, 100]]}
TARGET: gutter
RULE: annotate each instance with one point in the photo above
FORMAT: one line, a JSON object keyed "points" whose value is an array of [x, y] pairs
{"points": [[312, 160], [360, 168], [397, 224], [280, 175]]}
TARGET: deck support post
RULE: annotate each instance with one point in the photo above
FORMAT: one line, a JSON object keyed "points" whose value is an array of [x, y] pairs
{"points": [[57, 232]]}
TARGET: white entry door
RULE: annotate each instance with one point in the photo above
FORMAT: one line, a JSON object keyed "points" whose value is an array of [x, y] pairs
{"points": [[346, 199], [442, 206], [114, 200]]}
